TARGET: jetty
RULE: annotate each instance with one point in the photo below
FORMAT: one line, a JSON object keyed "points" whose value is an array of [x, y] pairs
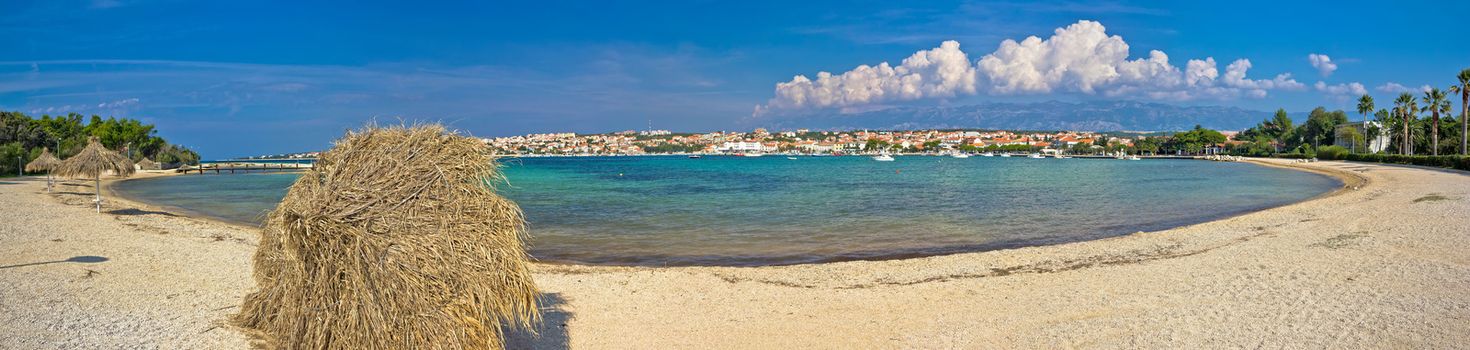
{"points": [[243, 167]]}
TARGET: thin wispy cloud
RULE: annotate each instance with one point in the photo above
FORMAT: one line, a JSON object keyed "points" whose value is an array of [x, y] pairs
{"points": [[194, 95], [1394, 88]]}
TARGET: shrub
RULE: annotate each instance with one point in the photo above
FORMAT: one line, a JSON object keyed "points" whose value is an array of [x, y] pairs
{"points": [[1331, 152], [1452, 161]]}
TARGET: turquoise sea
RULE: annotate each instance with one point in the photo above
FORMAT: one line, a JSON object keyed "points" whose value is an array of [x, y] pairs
{"points": [[673, 210]]}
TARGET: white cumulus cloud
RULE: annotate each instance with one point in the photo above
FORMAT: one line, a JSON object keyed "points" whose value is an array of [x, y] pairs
{"points": [[1079, 58], [1322, 63], [940, 72], [1345, 89]]}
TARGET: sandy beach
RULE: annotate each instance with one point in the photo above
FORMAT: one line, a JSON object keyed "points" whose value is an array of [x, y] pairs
{"points": [[1381, 263]]}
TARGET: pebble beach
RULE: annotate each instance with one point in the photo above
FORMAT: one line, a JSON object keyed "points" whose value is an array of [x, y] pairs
{"points": [[1380, 263]]}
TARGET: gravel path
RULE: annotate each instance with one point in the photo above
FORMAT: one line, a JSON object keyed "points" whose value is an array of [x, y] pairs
{"points": [[164, 284]]}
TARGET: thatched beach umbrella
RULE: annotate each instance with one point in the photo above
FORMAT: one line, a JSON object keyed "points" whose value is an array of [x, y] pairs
{"points": [[92, 162], [148, 164], [45, 162], [394, 239]]}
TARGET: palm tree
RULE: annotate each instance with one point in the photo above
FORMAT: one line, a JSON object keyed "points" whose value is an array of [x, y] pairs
{"points": [[1464, 90], [1435, 101], [1385, 120], [1405, 106], [1365, 106]]}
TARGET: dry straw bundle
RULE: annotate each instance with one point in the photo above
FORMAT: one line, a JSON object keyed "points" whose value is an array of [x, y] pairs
{"points": [[45, 162], [148, 164], [92, 162], [394, 240]]}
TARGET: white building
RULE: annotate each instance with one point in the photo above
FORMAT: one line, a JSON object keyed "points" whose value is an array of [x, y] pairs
{"points": [[742, 146], [1377, 144]]}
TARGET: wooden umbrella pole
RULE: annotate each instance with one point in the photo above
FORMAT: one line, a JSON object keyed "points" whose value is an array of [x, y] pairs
{"points": [[98, 189]]}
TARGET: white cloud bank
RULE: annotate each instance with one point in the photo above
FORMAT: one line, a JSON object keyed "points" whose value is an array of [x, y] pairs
{"points": [[1322, 63], [1394, 88], [1346, 89], [1080, 58]]}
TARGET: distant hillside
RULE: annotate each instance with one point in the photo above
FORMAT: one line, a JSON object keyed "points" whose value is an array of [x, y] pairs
{"points": [[1054, 115]]}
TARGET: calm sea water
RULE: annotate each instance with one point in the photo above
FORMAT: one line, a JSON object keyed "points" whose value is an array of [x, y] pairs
{"points": [[773, 210]]}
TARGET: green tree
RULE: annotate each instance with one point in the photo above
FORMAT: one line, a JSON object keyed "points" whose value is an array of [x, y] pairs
{"points": [[1365, 106], [1463, 88], [1280, 124], [1320, 126], [1194, 141], [875, 144], [1405, 106], [931, 145], [1435, 102], [1384, 119]]}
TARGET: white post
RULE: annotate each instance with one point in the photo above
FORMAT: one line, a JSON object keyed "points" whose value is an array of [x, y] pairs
{"points": [[98, 190]]}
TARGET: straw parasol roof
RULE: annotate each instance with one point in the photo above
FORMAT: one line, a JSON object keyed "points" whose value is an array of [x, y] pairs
{"points": [[394, 239], [147, 164], [94, 161], [45, 162]]}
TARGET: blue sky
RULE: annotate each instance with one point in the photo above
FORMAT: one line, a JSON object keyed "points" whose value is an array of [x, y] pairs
{"points": [[243, 78]]}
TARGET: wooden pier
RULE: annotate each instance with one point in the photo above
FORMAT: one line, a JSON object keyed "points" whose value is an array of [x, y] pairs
{"points": [[231, 168]]}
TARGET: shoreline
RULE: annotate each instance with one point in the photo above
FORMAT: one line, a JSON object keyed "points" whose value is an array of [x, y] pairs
{"points": [[108, 187], [1346, 180], [1380, 265]]}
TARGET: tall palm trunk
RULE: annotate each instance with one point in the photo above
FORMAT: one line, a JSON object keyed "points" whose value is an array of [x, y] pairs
{"points": [[1434, 133], [1464, 114], [1408, 147]]}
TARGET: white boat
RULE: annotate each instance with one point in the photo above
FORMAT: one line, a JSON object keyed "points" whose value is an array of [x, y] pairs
{"points": [[1063, 156], [756, 154], [960, 155], [694, 156], [883, 158], [791, 158], [987, 154], [1007, 155], [1134, 158], [1036, 156]]}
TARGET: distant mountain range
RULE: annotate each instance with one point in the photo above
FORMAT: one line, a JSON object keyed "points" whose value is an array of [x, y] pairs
{"points": [[1053, 115]]}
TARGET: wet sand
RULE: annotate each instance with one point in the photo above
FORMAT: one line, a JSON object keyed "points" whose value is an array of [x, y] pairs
{"points": [[1381, 263]]}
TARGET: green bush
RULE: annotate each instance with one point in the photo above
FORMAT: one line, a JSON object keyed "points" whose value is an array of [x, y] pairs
{"points": [[1452, 162], [1332, 152], [12, 155]]}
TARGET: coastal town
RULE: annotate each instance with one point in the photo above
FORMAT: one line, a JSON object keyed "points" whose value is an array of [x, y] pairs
{"points": [[806, 141]]}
